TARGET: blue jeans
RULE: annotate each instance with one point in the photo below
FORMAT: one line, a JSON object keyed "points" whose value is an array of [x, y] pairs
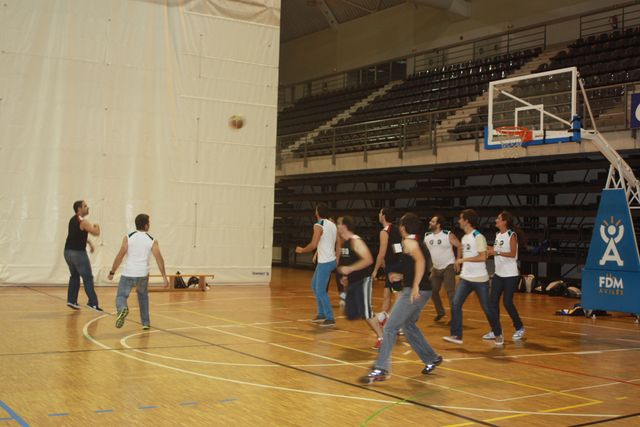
{"points": [[319, 284], [405, 315], [464, 289], [508, 286], [125, 286], [80, 266]]}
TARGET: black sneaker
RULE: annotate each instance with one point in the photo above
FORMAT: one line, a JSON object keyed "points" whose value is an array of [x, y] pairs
{"points": [[431, 366], [438, 317], [328, 322], [121, 316], [375, 375], [73, 305], [94, 307], [318, 319]]}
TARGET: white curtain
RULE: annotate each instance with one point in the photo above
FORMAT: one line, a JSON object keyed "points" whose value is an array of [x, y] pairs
{"points": [[126, 104]]}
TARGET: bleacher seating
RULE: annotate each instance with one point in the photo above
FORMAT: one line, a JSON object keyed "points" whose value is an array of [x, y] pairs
{"points": [[440, 89], [312, 111], [606, 61]]}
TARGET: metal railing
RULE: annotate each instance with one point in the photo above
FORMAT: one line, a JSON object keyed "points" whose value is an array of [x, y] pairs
{"points": [[610, 105], [614, 19]]}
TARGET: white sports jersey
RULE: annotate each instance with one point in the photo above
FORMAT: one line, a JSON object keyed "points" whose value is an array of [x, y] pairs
{"points": [[472, 244], [327, 243], [138, 252], [440, 249], [505, 266]]}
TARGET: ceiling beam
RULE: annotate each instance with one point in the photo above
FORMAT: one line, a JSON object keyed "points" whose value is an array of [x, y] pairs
{"points": [[327, 13]]}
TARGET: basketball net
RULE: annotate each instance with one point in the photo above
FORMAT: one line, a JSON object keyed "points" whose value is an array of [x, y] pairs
{"points": [[512, 140]]}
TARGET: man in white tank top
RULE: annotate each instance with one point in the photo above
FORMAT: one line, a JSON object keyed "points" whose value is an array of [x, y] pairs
{"points": [[474, 277], [138, 247], [441, 244], [324, 239]]}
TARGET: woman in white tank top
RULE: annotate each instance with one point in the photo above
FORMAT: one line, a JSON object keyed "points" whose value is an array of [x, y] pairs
{"points": [[505, 279]]}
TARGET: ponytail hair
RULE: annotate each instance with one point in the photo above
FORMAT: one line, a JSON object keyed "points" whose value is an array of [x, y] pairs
{"points": [[509, 219]]}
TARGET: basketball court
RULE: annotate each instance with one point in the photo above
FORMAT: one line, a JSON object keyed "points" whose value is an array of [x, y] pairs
{"points": [[246, 352], [250, 355]]}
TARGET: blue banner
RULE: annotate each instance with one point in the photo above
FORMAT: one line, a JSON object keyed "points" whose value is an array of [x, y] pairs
{"points": [[611, 277], [635, 110]]}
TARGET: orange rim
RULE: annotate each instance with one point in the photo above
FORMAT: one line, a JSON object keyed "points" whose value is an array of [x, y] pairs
{"points": [[522, 132]]}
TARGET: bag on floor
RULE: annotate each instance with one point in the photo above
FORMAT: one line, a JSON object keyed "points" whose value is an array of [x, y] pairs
{"points": [[573, 292], [576, 310], [178, 283], [556, 288]]}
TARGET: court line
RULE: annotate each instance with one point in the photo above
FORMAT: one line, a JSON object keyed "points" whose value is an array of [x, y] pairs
{"points": [[468, 373], [42, 353], [85, 332], [368, 352], [569, 389], [222, 347], [88, 336], [520, 414], [542, 412], [583, 324], [582, 374], [622, 417], [14, 416], [518, 356]]}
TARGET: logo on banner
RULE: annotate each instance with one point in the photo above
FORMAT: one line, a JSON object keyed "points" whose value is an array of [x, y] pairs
{"points": [[635, 110], [610, 285], [611, 235]]}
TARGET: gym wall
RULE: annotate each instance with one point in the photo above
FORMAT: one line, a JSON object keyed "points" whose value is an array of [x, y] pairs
{"points": [[127, 104]]}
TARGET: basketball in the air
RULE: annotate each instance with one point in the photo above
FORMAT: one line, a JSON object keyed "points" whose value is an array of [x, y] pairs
{"points": [[236, 122]]}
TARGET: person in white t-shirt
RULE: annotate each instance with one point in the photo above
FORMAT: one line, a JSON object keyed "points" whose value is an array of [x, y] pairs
{"points": [[324, 239], [505, 278], [474, 277], [442, 244], [138, 247]]}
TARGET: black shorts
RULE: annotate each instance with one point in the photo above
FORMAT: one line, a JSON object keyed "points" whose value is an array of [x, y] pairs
{"points": [[394, 286], [358, 301]]}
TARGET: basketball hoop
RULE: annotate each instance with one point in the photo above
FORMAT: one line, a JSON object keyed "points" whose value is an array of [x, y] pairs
{"points": [[511, 138]]}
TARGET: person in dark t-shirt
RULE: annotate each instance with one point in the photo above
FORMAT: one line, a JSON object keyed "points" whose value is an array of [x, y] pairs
{"points": [[75, 254]]}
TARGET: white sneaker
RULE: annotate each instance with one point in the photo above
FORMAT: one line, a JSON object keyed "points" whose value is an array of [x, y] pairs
{"points": [[500, 340], [519, 334], [454, 339], [489, 336]]}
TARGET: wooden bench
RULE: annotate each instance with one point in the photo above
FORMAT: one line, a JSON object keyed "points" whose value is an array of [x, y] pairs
{"points": [[202, 284]]}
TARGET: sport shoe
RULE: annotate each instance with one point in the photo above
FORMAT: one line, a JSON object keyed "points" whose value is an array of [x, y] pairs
{"points": [[146, 327], [318, 319], [400, 332], [431, 366], [328, 322], [519, 334], [454, 339], [94, 307], [375, 375], [377, 344], [500, 340], [73, 305], [438, 317], [384, 319], [122, 314], [489, 336]]}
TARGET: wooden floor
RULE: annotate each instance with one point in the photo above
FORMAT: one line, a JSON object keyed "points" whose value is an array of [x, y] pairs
{"points": [[249, 356]]}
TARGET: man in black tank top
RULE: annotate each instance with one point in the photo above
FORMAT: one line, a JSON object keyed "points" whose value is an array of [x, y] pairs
{"points": [[388, 257], [406, 311], [75, 254], [355, 269]]}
